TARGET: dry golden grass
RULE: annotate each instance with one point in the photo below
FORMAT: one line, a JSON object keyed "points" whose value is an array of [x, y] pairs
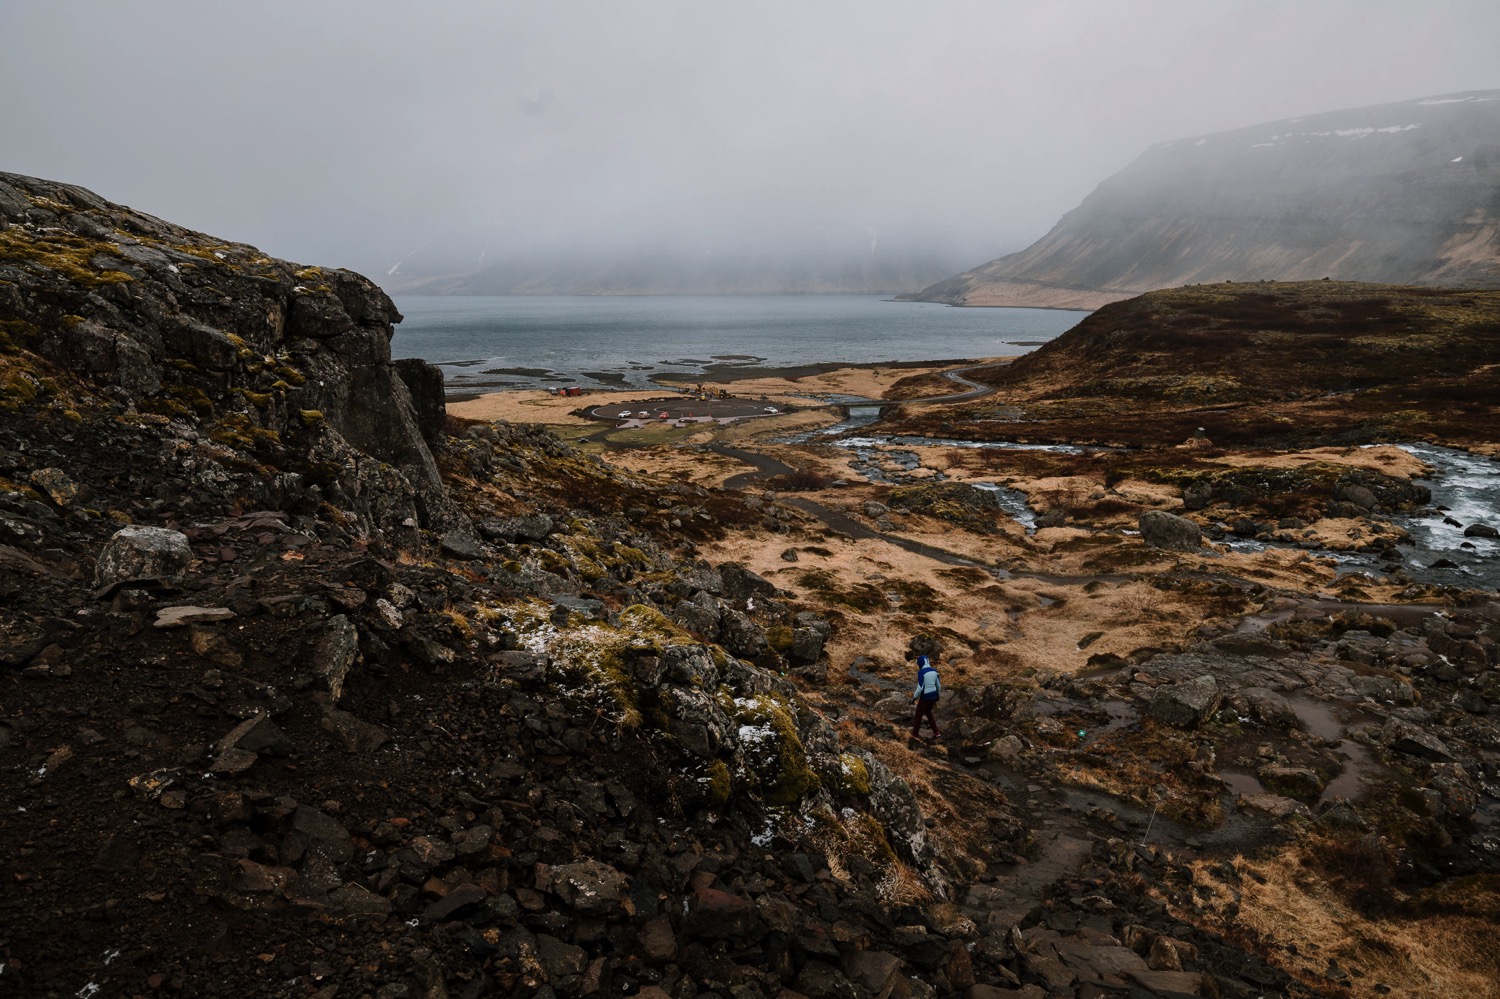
{"points": [[1150, 766], [703, 468], [1386, 458], [1288, 904], [996, 629], [872, 383], [956, 802], [903, 886], [539, 406]]}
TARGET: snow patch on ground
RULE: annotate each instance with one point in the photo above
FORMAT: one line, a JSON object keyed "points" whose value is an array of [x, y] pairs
{"points": [[1338, 133], [1458, 100], [752, 734]]}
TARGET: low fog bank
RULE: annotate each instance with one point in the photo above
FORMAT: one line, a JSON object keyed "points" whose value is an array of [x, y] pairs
{"points": [[365, 134], [793, 260]]}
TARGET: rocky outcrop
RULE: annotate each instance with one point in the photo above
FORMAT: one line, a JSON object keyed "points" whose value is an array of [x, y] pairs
{"points": [[238, 345], [1399, 193]]}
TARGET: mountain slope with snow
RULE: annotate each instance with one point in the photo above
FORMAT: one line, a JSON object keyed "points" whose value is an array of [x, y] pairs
{"points": [[1404, 193]]}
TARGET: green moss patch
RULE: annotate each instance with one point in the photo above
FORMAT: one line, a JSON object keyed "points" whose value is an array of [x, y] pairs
{"points": [[74, 258]]}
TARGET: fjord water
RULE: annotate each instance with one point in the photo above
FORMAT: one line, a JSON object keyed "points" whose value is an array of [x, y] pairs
{"points": [[623, 340]]}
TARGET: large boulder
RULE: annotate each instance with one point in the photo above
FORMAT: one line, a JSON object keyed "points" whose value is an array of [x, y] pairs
{"points": [[144, 553], [1404, 737], [809, 637], [1168, 531], [894, 804], [1270, 708], [336, 652], [1197, 495], [700, 616], [740, 635], [699, 724], [1186, 704], [743, 585]]}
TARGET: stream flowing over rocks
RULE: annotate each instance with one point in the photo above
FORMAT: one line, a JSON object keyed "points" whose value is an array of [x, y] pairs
{"points": [[1455, 540]]}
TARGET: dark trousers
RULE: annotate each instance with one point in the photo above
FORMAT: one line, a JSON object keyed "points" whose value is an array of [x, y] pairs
{"points": [[924, 710]]}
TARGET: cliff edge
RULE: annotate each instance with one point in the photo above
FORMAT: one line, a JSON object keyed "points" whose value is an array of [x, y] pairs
{"points": [[247, 348]]}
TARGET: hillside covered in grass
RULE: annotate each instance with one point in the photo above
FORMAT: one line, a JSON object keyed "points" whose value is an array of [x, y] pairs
{"points": [[1275, 363]]}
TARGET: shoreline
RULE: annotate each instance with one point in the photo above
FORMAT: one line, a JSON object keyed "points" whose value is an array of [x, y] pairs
{"points": [[729, 374], [797, 386]]}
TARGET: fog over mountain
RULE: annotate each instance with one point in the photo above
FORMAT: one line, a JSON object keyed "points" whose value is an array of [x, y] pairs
{"points": [[623, 146], [1404, 193]]}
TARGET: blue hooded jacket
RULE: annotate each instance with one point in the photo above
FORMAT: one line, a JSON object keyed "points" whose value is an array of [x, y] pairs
{"points": [[928, 684]]}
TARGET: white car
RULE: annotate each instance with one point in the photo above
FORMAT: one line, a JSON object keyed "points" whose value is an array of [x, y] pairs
{"points": [[643, 414], [772, 410], [624, 414]]}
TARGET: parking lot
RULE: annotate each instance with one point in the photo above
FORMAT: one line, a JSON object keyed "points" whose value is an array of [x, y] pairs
{"points": [[679, 409]]}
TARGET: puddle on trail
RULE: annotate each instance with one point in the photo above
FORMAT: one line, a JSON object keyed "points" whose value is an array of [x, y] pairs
{"points": [[1319, 721], [1241, 783]]}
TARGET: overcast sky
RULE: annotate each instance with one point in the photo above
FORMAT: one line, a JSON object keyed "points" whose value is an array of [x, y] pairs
{"points": [[351, 133]]}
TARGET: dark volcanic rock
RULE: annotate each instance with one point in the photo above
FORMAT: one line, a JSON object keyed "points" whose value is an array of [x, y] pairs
{"points": [[531, 527], [198, 329], [1186, 704], [143, 553], [424, 382]]}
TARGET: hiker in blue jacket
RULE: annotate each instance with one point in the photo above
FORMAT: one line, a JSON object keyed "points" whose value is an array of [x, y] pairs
{"points": [[926, 697]]}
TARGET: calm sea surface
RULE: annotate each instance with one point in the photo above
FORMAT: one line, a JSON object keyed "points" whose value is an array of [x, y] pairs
{"points": [[527, 342]]}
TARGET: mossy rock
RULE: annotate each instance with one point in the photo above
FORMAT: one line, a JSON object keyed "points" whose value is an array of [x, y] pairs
{"points": [[775, 761], [260, 400], [74, 258], [779, 637], [955, 502], [195, 399], [852, 779], [719, 784]]}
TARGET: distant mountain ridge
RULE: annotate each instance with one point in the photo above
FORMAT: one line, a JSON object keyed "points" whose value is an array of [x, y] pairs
{"points": [[841, 266], [1405, 193]]}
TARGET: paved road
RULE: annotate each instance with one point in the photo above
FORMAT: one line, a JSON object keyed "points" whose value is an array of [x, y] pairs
{"points": [[976, 390]]}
